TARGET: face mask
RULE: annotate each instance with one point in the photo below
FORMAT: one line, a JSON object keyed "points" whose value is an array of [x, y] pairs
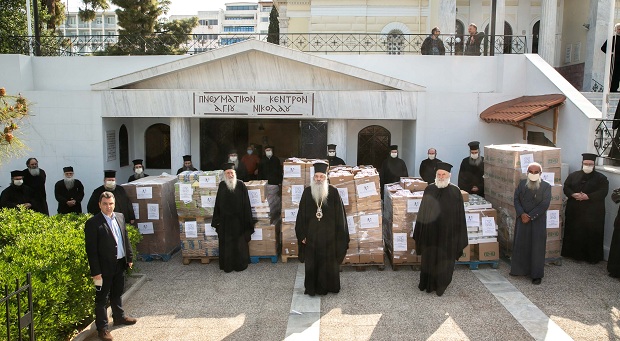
{"points": [[250, 151], [269, 154], [588, 169], [393, 155], [331, 154], [233, 159], [139, 170], [533, 177], [18, 182], [474, 156], [431, 156], [110, 184]]}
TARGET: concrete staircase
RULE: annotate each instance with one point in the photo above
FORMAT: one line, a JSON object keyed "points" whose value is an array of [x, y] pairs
{"points": [[596, 98]]}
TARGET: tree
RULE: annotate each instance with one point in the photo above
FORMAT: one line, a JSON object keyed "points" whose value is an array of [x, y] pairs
{"points": [[273, 34], [14, 27], [12, 110]]}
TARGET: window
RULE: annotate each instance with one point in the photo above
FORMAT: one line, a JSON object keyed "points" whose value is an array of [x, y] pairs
{"points": [[71, 21], [202, 22], [239, 17], [242, 8], [205, 36], [264, 19], [212, 22], [109, 20], [228, 41], [99, 21], [157, 146], [238, 28], [266, 9], [123, 146]]}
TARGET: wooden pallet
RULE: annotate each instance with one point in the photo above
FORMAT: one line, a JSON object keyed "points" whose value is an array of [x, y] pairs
{"points": [[202, 259], [285, 258], [363, 267], [395, 267], [159, 256], [255, 259], [473, 265]]}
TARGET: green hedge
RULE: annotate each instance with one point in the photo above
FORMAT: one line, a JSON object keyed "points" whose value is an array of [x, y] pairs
{"points": [[52, 250]]}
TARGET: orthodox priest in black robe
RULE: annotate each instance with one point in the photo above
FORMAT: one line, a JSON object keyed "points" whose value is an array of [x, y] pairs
{"points": [[584, 227], [138, 170], [187, 165], [18, 194], [332, 158], [69, 193], [440, 232], [123, 205], [613, 263], [34, 177], [270, 168], [471, 171], [393, 168], [428, 167], [532, 198], [323, 235], [232, 219]]}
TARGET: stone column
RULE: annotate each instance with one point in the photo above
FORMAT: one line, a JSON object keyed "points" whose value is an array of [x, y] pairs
{"points": [[180, 142], [546, 42], [501, 18], [597, 34], [337, 134], [447, 16]]}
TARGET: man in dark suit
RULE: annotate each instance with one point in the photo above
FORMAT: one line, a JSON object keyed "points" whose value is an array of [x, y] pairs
{"points": [[109, 255]]}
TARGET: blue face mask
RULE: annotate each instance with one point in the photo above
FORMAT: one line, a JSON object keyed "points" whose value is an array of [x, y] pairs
{"points": [[250, 151]]}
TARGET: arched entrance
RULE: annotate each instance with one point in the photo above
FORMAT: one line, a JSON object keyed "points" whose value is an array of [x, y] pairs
{"points": [[503, 46], [123, 146], [373, 145], [459, 31], [157, 146], [535, 34]]}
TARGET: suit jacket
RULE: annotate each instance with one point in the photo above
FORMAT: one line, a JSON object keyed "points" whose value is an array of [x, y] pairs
{"points": [[101, 245]]}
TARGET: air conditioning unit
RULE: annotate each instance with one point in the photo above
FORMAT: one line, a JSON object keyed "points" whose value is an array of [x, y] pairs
{"points": [[210, 26]]}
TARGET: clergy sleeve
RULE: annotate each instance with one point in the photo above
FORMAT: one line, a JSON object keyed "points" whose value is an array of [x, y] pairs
{"points": [[517, 201], [301, 229], [602, 188], [216, 220], [80, 191], [248, 221], [93, 203], [543, 206], [58, 193], [568, 186], [462, 240]]}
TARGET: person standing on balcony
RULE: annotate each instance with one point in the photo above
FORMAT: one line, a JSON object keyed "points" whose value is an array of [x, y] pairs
{"points": [[472, 43], [615, 61], [432, 45]]}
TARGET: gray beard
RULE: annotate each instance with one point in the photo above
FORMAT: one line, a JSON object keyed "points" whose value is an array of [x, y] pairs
{"points": [[319, 191], [138, 176], [69, 183], [34, 171], [231, 183], [442, 183], [475, 162], [533, 185]]}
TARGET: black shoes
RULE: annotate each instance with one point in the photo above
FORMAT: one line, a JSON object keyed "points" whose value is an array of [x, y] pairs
{"points": [[536, 281]]}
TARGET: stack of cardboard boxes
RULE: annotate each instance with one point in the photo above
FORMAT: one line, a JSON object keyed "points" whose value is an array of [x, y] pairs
{"points": [[265, 237], [194, 194], [482, 229], [295, 179], [156, 217], [504, 167]]}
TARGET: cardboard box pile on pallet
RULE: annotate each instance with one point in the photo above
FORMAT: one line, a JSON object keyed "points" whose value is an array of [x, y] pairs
{"points": [[152, 198], [359, 188], [400, 209], [504, 167], [194, 195], [265, 237], [482, 230], [295, 179]]}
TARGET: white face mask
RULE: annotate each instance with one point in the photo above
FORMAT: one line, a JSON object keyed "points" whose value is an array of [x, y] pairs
{"points": [[233, 159], [110, 184], [431, 156], [250, 151], [533, 177], [331, 153], [587, 169], [139, 170], [18, 182], [269, 153], [394, 155], [474, 156]]}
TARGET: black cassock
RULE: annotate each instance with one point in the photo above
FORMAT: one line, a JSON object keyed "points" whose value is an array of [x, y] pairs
{"points": [[63, 195], [182, 169], [270, 169], [133, 177], [584, 227], [613, 262], [232, 219], [392, 170], [335, 161], [471, 175], [17, 195], [440, 235], [37, 184], [327, 241], [428, 170], [121, 202]]}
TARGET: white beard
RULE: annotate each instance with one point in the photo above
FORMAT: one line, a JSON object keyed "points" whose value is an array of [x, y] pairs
{"points": [[442, 183], [69, 183], [319, 191], [533, 185], [231, 183], [34, 171], [475, 162]]}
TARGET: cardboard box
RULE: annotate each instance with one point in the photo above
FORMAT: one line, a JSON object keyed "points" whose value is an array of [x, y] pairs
{"points": [[466, 256], [351, 259], [488, 251], [554, 234], [413, 184], [290, 248], [553, 249], [371, 258], [263, 248]]}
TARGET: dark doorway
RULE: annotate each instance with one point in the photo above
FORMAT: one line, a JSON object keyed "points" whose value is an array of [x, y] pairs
{"points": [[373, 145], [123, 146], [313, 139], [459, 29], [503, 45], [218, 137], [535, 34], [157, 146]]}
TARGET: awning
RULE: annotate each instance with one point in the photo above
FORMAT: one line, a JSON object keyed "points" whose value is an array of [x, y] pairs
{"points": [[517, 112]]}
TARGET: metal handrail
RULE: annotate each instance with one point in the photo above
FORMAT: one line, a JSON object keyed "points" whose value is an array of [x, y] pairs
{"points": [[358, 43], [606, 143]]}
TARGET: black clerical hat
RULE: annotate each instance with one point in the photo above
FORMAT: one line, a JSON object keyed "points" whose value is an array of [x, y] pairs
{"points": [[331, 147], [269, 147], [474, 145], [110, 173], [444, 166], [320, 167], [187, 158], [17, 173], [229, 165], [232, 151], [393, 147], [589, 156], [137, 162], [67, 169]]}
